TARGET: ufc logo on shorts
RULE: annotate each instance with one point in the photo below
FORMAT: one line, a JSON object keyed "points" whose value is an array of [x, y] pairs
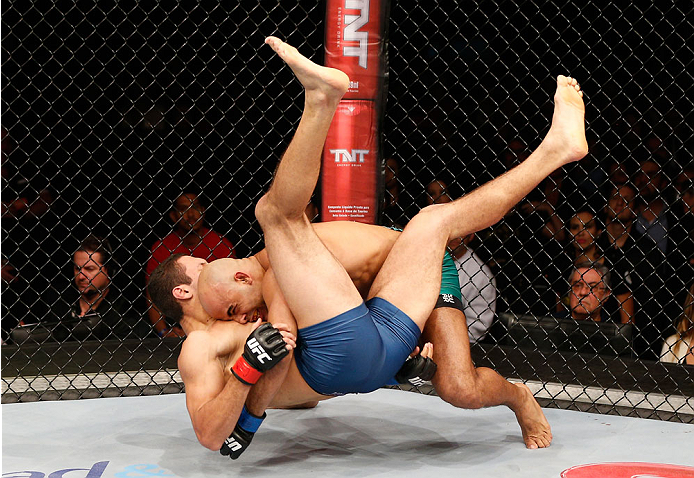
{"points": [[417, 382], [233, 444], [447, 298], [258, 350]]}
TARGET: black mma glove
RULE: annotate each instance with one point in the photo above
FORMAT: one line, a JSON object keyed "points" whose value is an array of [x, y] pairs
{"points": [[242, 435], [416, 371], [264, 349]]}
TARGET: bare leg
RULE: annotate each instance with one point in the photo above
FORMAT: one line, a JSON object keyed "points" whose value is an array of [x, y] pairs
{"points": [[315, 285], [459, 383], [411, 275], [414, 263]]}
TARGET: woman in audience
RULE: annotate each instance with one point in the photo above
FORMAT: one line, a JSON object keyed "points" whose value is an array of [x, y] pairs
{"points": [[679, 348]]}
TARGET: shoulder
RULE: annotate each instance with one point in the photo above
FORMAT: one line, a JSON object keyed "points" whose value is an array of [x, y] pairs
{"points": [[197, 349]]}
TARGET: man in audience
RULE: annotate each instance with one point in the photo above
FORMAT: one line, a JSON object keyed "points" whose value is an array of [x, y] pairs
{"points": [[100, 312], [589, 284], [657, 299], [478, 288], [190, 237]]}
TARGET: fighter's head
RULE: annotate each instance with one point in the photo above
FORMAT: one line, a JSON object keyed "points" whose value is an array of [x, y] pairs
{"points": [[173, 284], [230, 291]]}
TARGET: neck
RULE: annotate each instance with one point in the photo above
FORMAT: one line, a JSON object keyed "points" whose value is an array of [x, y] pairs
{"points": [[196, 319], [586, 254], [189, 237], [617, 231], [92, 302]]}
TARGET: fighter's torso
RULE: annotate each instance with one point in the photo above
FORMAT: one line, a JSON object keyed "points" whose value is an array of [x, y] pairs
{"points": [[360, 248]]}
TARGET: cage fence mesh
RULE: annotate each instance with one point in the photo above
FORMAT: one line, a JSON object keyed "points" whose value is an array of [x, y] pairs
{"points": [[114, 114]]}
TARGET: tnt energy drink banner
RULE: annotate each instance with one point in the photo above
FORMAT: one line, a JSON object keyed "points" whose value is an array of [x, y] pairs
{"points": [[355, 42]]}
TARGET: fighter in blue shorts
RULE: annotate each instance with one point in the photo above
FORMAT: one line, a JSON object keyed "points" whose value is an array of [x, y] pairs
{"points": [[315, 286], [303, 280], [362, 349]]}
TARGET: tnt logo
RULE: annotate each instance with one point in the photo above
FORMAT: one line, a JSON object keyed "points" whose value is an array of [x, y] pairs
{"points": [[258, 350], [233, 444], [345, 156], [448, 298], [352, 34]]}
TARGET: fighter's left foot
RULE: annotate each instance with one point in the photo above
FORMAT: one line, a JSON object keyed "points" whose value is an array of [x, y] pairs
{"points": [[567, 135], [535, 427], [320, 82]]}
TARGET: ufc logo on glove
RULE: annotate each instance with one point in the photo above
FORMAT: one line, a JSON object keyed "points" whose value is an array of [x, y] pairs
{"points": [[258, 350], [233, 444]]}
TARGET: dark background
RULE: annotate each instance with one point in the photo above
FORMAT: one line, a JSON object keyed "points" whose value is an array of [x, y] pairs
{"points": [[119, 106]]}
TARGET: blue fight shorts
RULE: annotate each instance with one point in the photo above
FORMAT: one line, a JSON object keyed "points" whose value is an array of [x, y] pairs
{"points": [[357, 351]]}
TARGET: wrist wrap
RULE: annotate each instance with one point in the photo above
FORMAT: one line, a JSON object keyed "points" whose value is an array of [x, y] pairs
{"points": [[248, 421], [245, 373]]}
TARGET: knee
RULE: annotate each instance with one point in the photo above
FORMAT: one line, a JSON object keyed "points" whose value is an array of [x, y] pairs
{"points": [[270, 214], [432, 218], [266, 212], [460, 391]]}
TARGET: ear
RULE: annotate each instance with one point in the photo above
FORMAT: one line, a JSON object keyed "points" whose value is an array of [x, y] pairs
{"points": [[173, 216], [243, 277], [182, 292]]}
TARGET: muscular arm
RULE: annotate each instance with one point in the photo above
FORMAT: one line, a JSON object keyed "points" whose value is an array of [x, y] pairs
{"points": [[214, 398], [264, 391]]}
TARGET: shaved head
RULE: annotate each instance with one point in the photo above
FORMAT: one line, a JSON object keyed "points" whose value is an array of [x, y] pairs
{"points": [[214, 284], [230, 289]]}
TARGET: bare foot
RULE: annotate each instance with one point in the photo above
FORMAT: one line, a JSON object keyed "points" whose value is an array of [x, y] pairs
{"points": [[535, 427], [567, 135], [320, 82]]}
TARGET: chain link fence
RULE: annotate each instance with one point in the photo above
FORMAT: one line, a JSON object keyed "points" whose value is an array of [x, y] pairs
{"points": [[120, 120]]}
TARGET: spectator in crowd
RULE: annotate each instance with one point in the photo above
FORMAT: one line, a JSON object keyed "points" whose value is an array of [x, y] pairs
{"points": [[653, 218], [437, 192], [189, 237], [100, 312], [32, 231], [522, 260], [618, 173], [682, 233], [393, 212], [478, 288], [679, 348], [589, 284], [584, 231], [659, 297]]}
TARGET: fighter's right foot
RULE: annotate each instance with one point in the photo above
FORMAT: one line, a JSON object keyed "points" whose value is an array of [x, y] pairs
{"points": [[535, 427], [320, 82], [567, 135]]}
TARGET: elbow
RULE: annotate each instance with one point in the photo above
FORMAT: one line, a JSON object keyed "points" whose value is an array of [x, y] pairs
{"points": [[208, 441]]}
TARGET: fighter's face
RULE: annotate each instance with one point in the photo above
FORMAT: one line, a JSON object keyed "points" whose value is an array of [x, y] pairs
{"points": [[235, 301], [228, 293], [588, 291]]}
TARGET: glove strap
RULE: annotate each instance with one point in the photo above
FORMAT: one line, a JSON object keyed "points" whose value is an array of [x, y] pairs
{"points": [[246, 374], [248, 421]]}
